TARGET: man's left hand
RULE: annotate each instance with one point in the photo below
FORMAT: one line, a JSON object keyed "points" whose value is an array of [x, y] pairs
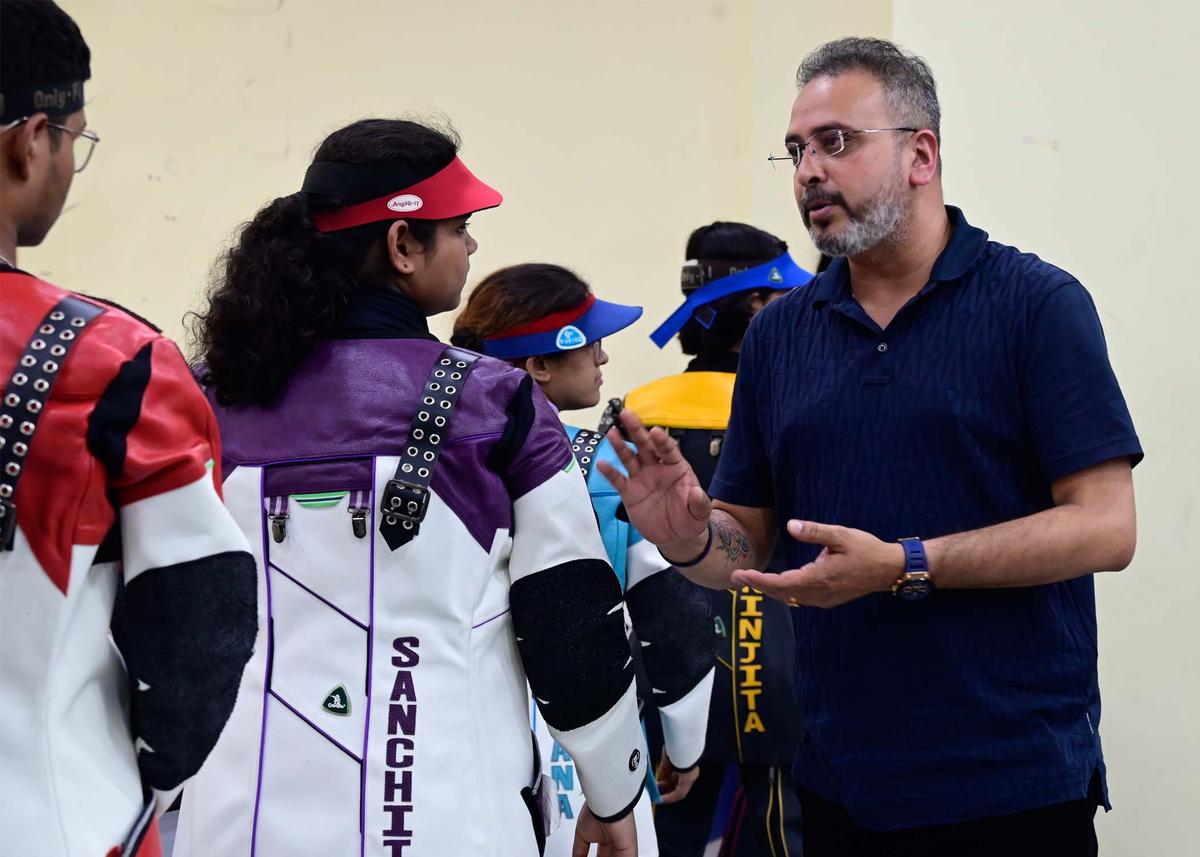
{"points": [[853, 564]]}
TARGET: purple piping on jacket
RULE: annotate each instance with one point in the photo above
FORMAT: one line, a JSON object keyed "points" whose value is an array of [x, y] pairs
{"points": [[317, 596], [362, 789], [485, 621], [315, 727], [262, 737]]}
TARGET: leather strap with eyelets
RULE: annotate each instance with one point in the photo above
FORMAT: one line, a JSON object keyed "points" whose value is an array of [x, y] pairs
{"points": [[406, 496], [612, 417], [584, 445], [27, 393]]}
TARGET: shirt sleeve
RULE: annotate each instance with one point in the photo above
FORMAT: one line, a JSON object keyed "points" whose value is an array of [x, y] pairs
{"points": [[1074, 409], [152, 427], [186, 619], [533, 445], [674, 629], [568, 619], [743, 475]]}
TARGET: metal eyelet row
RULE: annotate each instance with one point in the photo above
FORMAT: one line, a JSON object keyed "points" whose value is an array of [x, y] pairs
{"points": [[49, 336]]}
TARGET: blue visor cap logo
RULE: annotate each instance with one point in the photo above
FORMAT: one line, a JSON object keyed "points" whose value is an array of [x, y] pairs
{"points": [[570, 337], [563, 331], [779, 273]]}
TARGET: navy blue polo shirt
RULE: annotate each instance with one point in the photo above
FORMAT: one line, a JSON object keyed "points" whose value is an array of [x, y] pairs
{"points": [[990, 384]]}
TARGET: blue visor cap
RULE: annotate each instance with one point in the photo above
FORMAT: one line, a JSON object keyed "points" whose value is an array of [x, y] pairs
{"points": [[781, 272], [563, 331]]}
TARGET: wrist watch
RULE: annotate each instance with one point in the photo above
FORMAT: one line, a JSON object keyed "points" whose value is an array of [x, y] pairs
{"points": [[914, 584]]}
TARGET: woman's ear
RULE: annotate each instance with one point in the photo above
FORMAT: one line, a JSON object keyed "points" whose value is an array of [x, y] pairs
{"points": [[402, 247], [538, 368]]}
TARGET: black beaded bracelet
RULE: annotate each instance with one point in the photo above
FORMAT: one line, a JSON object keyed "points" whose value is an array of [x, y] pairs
{"points": [[697, 560]]}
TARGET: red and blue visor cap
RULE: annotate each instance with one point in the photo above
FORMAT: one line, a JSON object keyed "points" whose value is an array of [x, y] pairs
{"points": [[562, 331], [782, 272]]}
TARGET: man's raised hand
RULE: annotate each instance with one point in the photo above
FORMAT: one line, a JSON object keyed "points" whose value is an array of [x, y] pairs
{"points": [[660, 491]]}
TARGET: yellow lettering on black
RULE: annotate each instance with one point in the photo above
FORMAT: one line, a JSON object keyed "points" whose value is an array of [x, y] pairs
{"points": [[750, 675], [748, 638], [749, 629]]}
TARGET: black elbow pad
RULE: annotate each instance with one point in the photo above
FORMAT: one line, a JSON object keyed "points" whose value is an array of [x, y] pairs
{"points": [[186, 632], [674, 624], [570, 630]]}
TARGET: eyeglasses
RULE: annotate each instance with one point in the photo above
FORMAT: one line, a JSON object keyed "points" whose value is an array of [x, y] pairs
{"points": [[596, 348], [824, 144], [84, 142]]}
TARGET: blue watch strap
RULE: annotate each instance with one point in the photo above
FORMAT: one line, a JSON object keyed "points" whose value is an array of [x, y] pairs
{"points": [[914, 556]]}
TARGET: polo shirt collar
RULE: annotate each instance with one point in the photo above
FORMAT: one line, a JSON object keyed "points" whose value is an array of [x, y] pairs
{"points": [[964, 248]]}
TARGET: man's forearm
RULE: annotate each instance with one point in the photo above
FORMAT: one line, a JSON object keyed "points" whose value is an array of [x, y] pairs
{"points": [[731, 547], [1058, 544]]}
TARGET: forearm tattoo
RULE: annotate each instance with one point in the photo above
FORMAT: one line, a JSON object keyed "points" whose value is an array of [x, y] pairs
{"points": [[731, 541]]}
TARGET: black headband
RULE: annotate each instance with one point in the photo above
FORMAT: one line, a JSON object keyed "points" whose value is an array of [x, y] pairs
{"points": [[25, 99], [357, 182], [698, 273]]}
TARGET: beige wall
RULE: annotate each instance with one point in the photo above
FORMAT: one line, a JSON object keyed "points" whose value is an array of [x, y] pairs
{"points": [[614, 128], [1070, 131]]}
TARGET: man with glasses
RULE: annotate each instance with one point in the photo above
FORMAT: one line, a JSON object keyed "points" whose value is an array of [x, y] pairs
{"points": [[108, 480], [933, 434]]}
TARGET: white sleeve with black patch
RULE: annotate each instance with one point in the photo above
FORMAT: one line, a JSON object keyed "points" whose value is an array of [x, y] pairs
{"points": [[569, 623], [675, 630]]}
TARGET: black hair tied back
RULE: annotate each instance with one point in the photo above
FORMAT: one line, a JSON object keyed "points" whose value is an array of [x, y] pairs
{"points": [[284, 286]]}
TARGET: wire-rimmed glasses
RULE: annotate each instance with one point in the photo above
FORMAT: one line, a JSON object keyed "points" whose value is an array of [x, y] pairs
{"points": [[83, 141], [823, 144]]}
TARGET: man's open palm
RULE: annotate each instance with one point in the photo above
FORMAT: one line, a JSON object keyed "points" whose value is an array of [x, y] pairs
{"points": [[660, 492]]}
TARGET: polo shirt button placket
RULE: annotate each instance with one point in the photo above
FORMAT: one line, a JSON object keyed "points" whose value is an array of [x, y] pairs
{"points": [[878, 368]]}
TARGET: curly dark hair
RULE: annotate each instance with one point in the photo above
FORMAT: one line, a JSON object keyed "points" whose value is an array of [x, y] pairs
{"points": [[731, 242], [516, 295], [284, 286]]}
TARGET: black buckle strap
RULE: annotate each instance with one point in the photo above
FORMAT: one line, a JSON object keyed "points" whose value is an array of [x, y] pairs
{"points": [[612, 417], [27, 393], [406, 497], [584, 445]]}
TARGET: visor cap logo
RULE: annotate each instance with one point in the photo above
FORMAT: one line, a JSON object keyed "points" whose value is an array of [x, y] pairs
{"points": [[570, 337], [405, 202]]}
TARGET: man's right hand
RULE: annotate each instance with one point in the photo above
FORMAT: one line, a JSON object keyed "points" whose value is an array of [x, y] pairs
{"points": [[614, 839], [661, 494]]}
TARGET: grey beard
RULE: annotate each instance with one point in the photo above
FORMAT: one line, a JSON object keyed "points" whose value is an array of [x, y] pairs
{"points": [[884, 221]]}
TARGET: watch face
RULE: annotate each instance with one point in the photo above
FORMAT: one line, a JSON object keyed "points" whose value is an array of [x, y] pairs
{"points": [[915, 587]]}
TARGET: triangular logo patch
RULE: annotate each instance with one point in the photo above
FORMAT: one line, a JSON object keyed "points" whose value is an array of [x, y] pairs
{"points": [[337, 701], [775, 276]]}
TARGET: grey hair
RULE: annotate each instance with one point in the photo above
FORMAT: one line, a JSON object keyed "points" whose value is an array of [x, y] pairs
{"points": [[908, 84]]}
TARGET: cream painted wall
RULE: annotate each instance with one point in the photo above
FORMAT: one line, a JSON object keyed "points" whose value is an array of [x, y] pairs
{"points": [[1068, 132], [613, 129]]}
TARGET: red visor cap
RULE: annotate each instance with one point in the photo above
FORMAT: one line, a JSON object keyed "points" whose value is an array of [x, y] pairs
{"points": [[450, 192]]}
